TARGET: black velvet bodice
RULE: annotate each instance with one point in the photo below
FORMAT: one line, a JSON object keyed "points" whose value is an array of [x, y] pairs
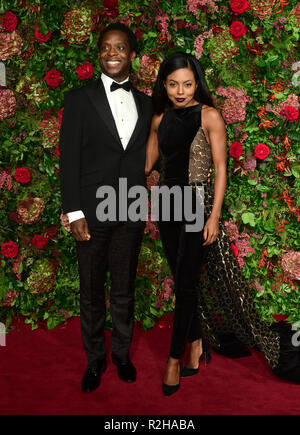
{"points": [[176, 134]]}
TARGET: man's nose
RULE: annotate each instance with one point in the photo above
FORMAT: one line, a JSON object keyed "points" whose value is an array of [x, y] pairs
{"points": [[112, 51]]}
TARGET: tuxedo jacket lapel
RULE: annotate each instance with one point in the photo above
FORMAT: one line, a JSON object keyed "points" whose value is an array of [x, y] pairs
{"points": [[99, 99], [139, 122], [97, 95]]}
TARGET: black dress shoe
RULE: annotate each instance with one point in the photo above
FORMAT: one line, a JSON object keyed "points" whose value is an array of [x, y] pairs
{"points": [[92, 377], [126, 369]]}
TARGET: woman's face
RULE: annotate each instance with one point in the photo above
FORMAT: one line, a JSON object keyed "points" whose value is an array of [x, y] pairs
{"points": [[181, 87]]}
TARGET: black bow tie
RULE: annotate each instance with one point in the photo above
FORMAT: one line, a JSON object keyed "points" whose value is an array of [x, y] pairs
{"points": [[114, 86]]}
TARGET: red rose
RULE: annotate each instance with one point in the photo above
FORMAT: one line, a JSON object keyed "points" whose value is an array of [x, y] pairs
{"points": [[236, 150], [110, 4], [10, 21], [85, 71], [9, 249], [39, 241], [60, 114], [51, 231], [291, 113], [235, 250], [239, 6], [237, 29], [22, 175], [40, 37], [53, 78], [261, 151], [57, 150]]}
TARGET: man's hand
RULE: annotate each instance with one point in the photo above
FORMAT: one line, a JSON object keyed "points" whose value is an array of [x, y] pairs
{"points": [[80, 230]]}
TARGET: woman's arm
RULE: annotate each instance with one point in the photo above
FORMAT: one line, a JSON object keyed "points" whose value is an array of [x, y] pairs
{"points": [[152, 152], [214, 124]]}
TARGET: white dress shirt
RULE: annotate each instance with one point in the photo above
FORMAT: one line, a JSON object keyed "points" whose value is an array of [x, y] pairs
{"points": [[125, 114]]}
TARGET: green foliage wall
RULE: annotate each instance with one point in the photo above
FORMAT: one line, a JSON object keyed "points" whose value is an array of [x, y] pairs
{"points": [[248, 50]]}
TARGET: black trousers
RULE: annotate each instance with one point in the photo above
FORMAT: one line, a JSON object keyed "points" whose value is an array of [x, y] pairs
{"points": [[115, 248], [185, 253]]}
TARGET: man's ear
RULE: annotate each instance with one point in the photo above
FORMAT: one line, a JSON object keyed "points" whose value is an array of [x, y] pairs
{"points": [[132, 56]]}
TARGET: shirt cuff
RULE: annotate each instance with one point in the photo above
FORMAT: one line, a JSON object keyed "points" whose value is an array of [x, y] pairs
{"points": [[75, 215]]}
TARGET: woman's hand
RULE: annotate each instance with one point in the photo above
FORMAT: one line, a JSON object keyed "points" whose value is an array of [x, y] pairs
{"points": [[211, 230], [152, 152]]}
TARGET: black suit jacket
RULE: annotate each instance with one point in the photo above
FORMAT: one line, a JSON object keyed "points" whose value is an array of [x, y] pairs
{"points": [[91, 153]]}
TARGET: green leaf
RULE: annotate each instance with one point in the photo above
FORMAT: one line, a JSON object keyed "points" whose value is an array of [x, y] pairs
{"points": [[296, 170], [249, 218]]}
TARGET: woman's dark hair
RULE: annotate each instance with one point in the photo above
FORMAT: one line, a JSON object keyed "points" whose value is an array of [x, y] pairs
{"points": [[121, 28], [170, 64]]}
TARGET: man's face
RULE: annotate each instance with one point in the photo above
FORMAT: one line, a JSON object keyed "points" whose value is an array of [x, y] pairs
{"points": [[114, 56]]}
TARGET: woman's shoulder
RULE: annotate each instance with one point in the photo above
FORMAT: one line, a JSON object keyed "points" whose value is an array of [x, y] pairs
{"points": [[211, 116], [156, 120]]}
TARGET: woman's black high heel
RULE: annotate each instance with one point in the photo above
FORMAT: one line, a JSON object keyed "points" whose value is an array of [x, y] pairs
{"points": [[168, 390], [205, 356]]}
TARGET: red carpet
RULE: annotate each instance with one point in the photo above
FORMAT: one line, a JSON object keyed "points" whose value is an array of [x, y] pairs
{"points": [[41, 370]]}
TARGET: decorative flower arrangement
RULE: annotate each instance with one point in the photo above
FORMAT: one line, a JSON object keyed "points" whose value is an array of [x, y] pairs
{"points": [[248, 51], [7, 104], [291, 265], [50, 129], [10, 45], [77, 26]]}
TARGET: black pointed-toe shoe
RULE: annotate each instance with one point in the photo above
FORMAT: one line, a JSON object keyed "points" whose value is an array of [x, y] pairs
{"points": [[168, 390], [126, 370], [92, 377], [187, 372]]}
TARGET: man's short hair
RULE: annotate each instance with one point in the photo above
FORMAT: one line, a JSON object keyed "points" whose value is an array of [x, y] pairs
{"points": [[121, 28]]}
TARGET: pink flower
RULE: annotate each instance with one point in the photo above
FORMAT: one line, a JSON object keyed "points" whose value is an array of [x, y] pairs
{"points": [[291, 101], [194, 6], [250, 163], [233, 109], [199, 41], [291, 265], [64, 220], [167, 287], [257, 285], [11, 296], [240, 241], [5, 178], [162, 25]]}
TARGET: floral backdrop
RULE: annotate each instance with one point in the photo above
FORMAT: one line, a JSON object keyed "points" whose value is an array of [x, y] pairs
{"points": [[248, 49]]}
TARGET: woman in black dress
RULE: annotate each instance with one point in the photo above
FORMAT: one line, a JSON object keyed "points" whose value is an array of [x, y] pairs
{"points": [[189, 136]]}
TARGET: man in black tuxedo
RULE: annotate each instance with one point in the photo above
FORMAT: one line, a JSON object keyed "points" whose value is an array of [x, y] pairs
{"points": [[103, 139]]}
